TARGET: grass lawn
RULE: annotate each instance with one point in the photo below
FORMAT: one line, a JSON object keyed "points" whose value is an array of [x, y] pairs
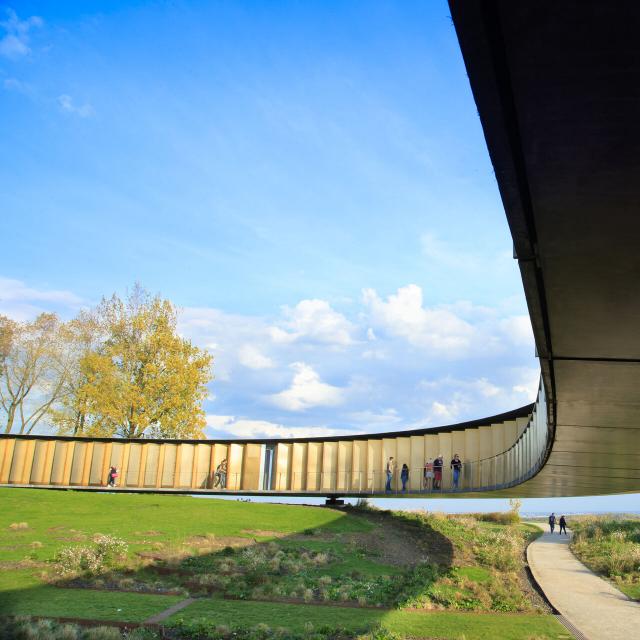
{"points": [[441, 624], [75, 603], [610, 546], [463, 573]]}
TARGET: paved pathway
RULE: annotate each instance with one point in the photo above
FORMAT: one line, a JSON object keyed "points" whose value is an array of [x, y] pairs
{"points": [[163, 615], [596, 608]]}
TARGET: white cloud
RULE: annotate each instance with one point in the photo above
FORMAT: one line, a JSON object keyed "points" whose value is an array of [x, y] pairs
{"points": [[21, 302], [403, 315], [307, 391], [315, 321], [528, 382], [68, 106], [252, 358], [246, 429], [371, 420], [14, 43], [518, 330]]}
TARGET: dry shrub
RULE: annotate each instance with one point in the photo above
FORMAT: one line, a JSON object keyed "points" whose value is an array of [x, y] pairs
{"points": [[19, 526]]}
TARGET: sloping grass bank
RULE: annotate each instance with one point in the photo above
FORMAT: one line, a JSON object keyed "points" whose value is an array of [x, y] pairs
{"points": [[610, 546], [276, 570]]}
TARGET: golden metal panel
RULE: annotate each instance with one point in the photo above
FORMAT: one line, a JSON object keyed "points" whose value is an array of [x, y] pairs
{"points": [[314, 466], [251, 468], [58, 462], [345, 457], [17, 462], [203, 456], [329, 466], [39, 456], [234, 477], [444, 446], [151, 464], [133, 468], [6, 460], [299, 466], [359, 465], [168, 472], [98, 472], [375, 466], [185, 452]]}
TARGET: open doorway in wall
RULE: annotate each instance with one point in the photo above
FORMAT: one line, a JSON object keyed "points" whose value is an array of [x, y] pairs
{"points": [[268, 466]]}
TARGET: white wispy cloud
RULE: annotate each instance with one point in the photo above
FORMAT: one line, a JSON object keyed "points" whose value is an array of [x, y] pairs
{"points": [[307, 390], [313, 320], [404, 315], [251, 357], [14, 43], [22, 302], [243, 428], [68, 105]]}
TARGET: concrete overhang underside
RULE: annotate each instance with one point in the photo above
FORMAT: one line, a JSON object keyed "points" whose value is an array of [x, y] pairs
{"points": [[557, 86]]}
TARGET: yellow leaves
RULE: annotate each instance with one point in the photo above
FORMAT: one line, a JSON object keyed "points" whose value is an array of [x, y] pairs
{"points": [[144, 379]]}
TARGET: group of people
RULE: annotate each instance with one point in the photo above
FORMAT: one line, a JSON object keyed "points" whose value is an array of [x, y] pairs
{"points": [[562, 522], [431, 473]]}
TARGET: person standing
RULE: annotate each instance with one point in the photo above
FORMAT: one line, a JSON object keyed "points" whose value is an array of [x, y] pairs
{"points": [[404, 476], [437, 472], [552, 522], [390, 470], [428, 474], [456, 465], [563, 526]]}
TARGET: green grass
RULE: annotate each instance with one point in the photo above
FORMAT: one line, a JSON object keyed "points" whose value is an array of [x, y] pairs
{"points": [[77, 603], [486, 557], [610, 546], [410, 623]]}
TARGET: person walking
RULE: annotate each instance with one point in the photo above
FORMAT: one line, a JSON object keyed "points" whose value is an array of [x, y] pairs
{"points": [[563, 526], [456, 465], [428, 474], [220, 476], [404, 476], [552, 522], [390, 470], [437, 472], [111, 477]]}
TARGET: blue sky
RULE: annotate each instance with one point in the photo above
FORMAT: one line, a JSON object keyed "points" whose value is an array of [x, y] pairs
{"points": [[307, 181]]}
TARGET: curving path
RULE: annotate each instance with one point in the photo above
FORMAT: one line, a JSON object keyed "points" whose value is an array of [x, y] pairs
{"points": [[592, 605]]}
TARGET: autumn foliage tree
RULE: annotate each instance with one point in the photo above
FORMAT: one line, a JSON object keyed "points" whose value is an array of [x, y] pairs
{"points": [[34, 367], [144, 380], [118, 370]]}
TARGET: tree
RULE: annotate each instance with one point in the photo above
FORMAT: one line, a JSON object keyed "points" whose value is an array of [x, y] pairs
{"points": [[144, 379], [82, 336], [35, 366]]}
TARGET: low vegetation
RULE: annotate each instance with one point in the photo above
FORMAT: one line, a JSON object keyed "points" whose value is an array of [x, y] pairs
{"points": [[256, 569], [610, 546]]}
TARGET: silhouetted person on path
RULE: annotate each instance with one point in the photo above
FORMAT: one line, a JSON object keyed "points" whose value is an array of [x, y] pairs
{"points": [[404, 476], [563, 526], [552, 522]]}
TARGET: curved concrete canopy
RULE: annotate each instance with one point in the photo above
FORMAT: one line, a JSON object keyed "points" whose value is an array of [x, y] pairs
{"points": [[557, 86]]}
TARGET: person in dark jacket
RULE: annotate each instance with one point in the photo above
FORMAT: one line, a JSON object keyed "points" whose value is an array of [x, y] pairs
{"points": [[404, 476], [111, 477], [456, 465], [438, 463], [563, 526], [552, 522]]}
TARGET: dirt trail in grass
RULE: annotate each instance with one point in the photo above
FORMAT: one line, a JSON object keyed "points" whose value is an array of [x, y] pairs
{"points": [[404, 544], [163, 615]]}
